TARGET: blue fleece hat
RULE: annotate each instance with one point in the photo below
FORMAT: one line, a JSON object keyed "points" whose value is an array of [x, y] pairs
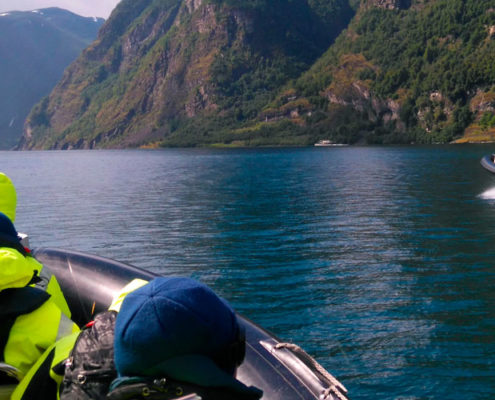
{"points": [[7, 229], [177, 328]]}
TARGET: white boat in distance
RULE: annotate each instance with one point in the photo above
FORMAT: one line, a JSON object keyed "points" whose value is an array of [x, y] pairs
{"points": [[328, 143]]}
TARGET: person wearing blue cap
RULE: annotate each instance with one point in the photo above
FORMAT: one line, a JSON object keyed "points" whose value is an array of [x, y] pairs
{"points": [[180, 330]]}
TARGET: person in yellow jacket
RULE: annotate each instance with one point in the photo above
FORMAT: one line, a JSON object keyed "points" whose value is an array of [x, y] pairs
{"points": [[47, 282], [33, 318]]}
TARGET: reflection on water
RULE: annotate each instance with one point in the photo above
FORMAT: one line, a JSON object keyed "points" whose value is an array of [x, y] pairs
{"points": [[378, 261]]}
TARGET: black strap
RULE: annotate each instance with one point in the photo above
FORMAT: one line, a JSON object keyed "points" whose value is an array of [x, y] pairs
{"points": [[42, 386], [17, 302]]}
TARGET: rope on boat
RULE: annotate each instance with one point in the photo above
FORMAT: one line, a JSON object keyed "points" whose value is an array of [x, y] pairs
{"points": [[335, 388]]}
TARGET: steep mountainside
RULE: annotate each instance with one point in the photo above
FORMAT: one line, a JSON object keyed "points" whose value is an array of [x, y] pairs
{"points": [[404, 71], [183, 71], [35, 47], [270, 72]]}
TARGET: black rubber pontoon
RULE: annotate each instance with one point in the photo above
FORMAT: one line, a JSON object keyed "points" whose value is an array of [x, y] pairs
{"points": [[282, 370], [488, 163]]}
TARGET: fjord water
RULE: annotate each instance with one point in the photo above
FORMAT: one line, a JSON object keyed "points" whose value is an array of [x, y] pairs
{"points": [[378, 261]]}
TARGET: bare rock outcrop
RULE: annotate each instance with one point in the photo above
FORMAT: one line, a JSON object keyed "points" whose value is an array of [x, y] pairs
{"points": [[390, 4]]}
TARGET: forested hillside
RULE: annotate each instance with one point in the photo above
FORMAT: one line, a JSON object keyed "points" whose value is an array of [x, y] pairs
{"points": [[423, 73], [277, 72], [35, 48]]}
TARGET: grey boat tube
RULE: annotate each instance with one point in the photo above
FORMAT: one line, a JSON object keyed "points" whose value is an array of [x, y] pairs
{"points": [[488, 163], [282, 370]]}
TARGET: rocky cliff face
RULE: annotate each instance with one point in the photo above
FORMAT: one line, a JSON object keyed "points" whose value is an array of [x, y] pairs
{"points": [[156, 67], [348, 90], [154, 78], [391, 4]]}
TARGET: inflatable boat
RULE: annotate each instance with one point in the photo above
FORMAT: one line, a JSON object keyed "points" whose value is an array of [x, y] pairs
{"points": [[488, 163], [282, 370]]}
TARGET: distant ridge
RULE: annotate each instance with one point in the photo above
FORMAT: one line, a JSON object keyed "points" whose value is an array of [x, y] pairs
{"points": [[35, 48]]}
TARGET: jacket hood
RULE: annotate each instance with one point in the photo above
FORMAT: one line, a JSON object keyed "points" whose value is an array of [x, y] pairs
{"points": [[8, 197]]}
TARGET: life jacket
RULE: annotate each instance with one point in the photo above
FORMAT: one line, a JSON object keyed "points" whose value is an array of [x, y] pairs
{"points": [[17, 301], [31, 317], [22, 269]]}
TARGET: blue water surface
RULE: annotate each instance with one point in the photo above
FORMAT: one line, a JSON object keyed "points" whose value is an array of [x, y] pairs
{"points": [[378, 261]]}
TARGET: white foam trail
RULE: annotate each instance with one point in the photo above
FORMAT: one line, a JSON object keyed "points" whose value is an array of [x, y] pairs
{"points": [[488, 194]]}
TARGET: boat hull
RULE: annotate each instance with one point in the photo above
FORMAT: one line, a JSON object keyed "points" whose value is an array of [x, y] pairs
{"points": [[282, 371]]}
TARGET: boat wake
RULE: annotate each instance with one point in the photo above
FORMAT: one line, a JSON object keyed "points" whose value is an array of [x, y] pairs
{"points": [[488, 194]]}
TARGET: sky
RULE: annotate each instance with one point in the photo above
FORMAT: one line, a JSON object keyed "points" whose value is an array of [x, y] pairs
{"points": [[86, 8]]}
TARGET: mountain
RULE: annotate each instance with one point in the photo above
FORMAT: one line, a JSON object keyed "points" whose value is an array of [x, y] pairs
{"points": [[420, 71], [186, 72], [277, 72], [35, 48]]}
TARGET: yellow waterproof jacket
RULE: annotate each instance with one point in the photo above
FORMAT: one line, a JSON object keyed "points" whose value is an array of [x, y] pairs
{"points": [[17, 271], [32, 333]]}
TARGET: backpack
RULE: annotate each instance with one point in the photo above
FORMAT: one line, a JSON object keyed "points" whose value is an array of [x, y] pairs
{"points": [[90, 368]]}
